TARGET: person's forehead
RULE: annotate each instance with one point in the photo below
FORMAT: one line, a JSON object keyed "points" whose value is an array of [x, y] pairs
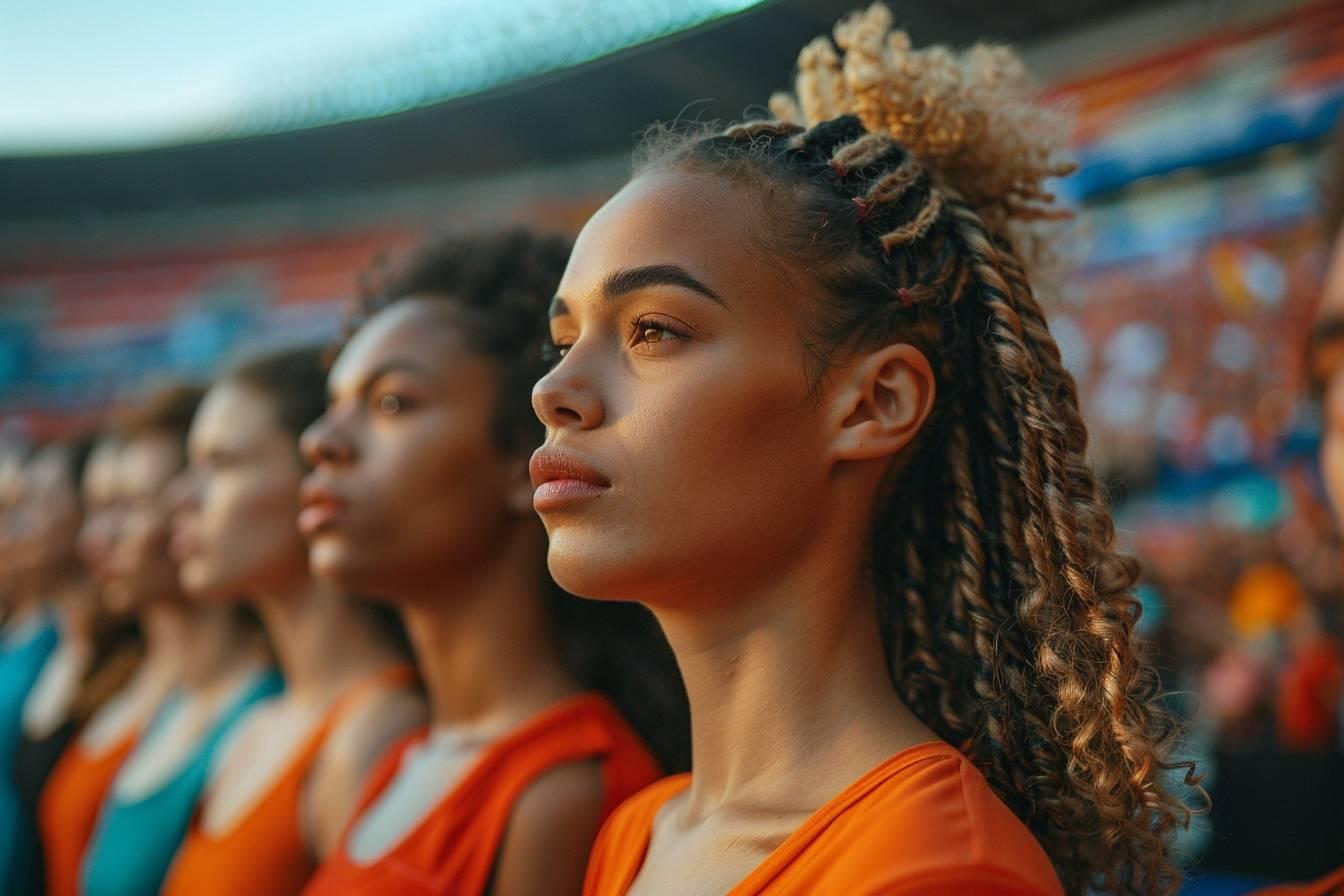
{"points": [[698, 221], [150, 459], [48, 465], [104, 454], [11, 476], [230, 411], [419, 329], [100, 471]]}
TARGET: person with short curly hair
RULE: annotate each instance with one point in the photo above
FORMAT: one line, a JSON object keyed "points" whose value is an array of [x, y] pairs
{"points": [[420, 497], [806, 407]]}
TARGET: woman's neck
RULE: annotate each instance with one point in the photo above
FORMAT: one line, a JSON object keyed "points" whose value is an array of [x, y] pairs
{"points": [[790, 696], [323, 640], [484, 643], [75, 601], [217, 647], [166, 626], [50, 585], [27, 604]]}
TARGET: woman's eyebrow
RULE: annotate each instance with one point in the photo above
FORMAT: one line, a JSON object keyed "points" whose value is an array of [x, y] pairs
{"points": [[618, 283], [366, 382]]}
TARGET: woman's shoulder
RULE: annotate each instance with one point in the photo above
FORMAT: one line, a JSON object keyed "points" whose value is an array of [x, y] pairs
{"points": [[374, 720], [927, 818]]}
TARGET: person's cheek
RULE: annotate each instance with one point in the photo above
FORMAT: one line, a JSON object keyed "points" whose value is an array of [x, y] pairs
{"points": [[727, 461]]}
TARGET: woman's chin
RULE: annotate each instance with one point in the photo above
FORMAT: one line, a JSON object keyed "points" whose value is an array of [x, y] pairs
{"points": [[329, 562], [333, 562], [609, 574]]}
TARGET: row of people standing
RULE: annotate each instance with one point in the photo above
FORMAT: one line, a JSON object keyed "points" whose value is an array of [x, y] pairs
{"points": [[277, 723]]}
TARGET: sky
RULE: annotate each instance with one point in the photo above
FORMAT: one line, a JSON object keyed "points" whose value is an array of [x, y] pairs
{"points": [[92, 75]]}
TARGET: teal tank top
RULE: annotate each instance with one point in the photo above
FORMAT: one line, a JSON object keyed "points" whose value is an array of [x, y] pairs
{"points": [[134, 843], [20, 664]]}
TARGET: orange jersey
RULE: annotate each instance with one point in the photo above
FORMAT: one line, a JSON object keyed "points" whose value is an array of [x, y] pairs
{"points": [[923, 823], [265, 853], [453, 849], [68, 810]]}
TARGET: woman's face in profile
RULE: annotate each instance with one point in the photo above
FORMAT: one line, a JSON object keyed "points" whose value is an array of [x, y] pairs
{"points": [[234, 529], [408, 483], [99, 490], [681, 397], [140, 567], [49, 514]]}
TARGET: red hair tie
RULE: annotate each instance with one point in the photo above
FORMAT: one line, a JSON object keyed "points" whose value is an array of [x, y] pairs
{"points": [[864, 207], [907, 300], [838, 167]]}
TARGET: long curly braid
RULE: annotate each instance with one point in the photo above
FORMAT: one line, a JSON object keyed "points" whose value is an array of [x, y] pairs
{"points": [[1006, 611]]}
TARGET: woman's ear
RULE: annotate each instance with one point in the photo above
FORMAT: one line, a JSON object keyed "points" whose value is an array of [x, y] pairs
{"points": [[881, 401]]}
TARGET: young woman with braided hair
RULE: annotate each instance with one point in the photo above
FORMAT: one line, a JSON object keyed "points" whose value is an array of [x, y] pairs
{"points": [[806, 407]]}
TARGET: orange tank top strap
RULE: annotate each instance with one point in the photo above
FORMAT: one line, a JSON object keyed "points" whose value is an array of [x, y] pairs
{"points": [[265, 852], [1330, 885], [453, 850], [69, 807], [624, 839]]}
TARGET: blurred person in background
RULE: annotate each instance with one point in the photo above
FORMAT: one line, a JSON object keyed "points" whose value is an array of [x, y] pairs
{"points": [[807, 409], [95, 654], [76, 786], [1315, 686], [12, 457], [27, 639], [420, 497], [1310, 690], [288, 780], [1311, 687], [1239, 683], [212, 657]]}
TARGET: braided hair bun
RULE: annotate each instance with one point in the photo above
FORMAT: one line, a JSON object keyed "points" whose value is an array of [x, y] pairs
{"points": [[973, 119]]}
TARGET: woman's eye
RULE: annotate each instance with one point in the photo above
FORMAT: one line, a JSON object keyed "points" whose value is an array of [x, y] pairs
{"points": [[553, 352], [650, 332], [389, 404]]}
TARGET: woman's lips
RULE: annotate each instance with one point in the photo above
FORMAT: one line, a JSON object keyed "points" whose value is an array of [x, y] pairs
{"points": [[317, 518], [561, 479], [321, 510], [182, 545]]}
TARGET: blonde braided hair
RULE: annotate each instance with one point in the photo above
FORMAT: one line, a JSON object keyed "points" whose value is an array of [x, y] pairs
{"points": [[1006, 610]]}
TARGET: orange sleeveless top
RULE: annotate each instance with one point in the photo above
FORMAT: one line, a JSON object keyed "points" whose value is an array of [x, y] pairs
{"points": [[68, 809], [923, 823], [264, 852], [1330, 885], [453, 849]]}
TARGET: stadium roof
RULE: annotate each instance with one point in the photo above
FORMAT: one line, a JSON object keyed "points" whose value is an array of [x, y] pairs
{"points": [[441, 90]]}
